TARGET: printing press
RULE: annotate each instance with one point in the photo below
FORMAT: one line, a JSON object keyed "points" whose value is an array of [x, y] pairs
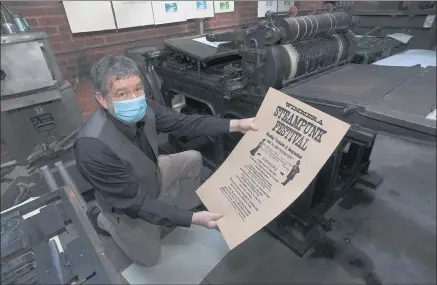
{"points": [[49, 239], [65, 250], [308, 57], [39, 119]]}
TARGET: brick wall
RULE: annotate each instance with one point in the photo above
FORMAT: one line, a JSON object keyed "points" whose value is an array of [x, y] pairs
{"points": [[307, 4], [76, 53]]}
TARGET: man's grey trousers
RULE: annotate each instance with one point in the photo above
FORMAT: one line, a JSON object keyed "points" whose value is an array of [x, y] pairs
{"points": [[140, 240]]}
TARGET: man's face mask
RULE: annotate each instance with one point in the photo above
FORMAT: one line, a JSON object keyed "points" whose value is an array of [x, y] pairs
{"points": [[130, 111]]}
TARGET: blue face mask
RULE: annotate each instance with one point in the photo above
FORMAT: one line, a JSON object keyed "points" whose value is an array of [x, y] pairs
{"points": [[130, 111]]}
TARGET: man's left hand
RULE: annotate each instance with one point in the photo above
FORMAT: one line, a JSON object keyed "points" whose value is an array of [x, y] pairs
{"points": [[243, 125]]}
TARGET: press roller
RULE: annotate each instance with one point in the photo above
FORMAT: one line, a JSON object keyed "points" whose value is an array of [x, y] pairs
{"points": [[296, 29], [299, 46], [288, 61], [283, 48]]}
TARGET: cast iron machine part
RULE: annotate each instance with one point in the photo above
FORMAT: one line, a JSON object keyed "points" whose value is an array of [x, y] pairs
{"points": [[45, 153], [29, 255], [283, 49], [232, 79], [278, 51], [42, 104]]}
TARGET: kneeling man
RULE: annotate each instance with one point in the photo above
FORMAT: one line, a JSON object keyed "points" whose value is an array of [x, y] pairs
{"points": [[116, 151]]}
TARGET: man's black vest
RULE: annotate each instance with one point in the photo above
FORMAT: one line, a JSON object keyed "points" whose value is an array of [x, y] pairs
{"points": [[144, 170]]}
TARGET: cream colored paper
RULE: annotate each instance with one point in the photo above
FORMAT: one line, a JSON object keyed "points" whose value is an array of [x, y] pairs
{"points": [[264, 6], [165, 12], [199, 9], [89, 16], [285, 5], [129, 14], [293, 138], [223, 6]]}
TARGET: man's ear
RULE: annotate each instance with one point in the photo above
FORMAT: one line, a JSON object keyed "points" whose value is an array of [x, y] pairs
{"points": [[101, 100]]}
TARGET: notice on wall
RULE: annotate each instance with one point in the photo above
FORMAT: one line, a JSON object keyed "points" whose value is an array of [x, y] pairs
{"points": [[165, 12], [89, 16], [285, 5], [264, 6], [270, 168], [223, 6], [199, 9], [129, 14]]}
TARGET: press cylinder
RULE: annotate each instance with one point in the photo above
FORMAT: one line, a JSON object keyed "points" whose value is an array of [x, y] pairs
{"points": [[288, 61], [310, 26]]}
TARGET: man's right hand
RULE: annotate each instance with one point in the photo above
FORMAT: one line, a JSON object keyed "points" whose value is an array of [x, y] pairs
{"points": [[206, 219]]}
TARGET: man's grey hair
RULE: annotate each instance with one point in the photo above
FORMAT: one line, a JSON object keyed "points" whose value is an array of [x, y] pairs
{"points": [[110, 68]]}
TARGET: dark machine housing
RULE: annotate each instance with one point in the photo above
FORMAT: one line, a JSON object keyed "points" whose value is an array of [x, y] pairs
{"points": [[307, 57], [52, 245]]}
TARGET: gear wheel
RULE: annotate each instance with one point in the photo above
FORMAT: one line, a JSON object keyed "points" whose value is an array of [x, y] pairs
{"points": [[349, 45], [316, 53], [328, 8], [294, 11]]}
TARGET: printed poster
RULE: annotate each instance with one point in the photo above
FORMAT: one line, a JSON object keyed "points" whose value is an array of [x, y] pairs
{"points": [[129, 14], [199, 9], [223, 6], [270, 168], [82, 16], [201, 5], [264, 6], [285, 5], [165, 12], [171, 7]]}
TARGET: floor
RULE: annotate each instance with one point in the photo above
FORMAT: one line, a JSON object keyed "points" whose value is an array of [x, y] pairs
{"points": [[380, 237], [385, 236]]}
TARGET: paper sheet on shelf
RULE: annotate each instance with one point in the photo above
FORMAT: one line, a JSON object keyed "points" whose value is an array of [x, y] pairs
{"points": [[403, 38], [432, 115], [203, 40]]}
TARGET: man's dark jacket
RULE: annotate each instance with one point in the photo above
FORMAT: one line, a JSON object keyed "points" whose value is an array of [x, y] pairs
{"points": [[120, 161]]}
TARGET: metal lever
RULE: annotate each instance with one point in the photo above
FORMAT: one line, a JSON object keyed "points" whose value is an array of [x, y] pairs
{"points": [[49, 178], [69, 181], [374, 30], [230, 36]]}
